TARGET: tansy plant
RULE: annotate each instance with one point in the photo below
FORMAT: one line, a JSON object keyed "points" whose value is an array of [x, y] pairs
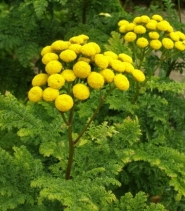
{"points": [[153, 35], [74, 69]]}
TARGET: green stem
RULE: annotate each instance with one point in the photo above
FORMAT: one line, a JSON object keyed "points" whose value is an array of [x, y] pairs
{"points": [[102, 100], [71, 146], [179, 11]]}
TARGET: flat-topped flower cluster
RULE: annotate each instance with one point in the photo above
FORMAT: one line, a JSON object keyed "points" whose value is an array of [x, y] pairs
{"points": [[152, 32], [74, 68]]}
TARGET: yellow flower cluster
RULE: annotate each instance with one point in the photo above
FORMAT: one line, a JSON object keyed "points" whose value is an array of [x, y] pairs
{"points": [[75, 67], [152, 32]]}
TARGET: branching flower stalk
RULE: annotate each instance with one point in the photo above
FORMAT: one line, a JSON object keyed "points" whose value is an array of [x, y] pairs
{"points": [[73, 69]]}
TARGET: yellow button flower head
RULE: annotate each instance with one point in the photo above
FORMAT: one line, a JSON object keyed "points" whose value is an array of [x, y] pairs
{"points": [[121, 82], [46, 49], [163, 25], [125, 58], [152, 25], [170, 29], [81, 91], [122, 29], [76, 40], [167, 43], [123, 22], [75, 47], [128, 67], [49, 57], [64, 102], [101, 61], [157, 17], [88, 50], [95, 80], [68, 55], [50, 94], [35, 94], [138, 75], [53, 67], [137, 20], [174, 36], [60, 45], [111, 54], [180, 45], [142, 42], [118, 65], [40, 79], [139, 29], [130, 27], [108, 75], [155, 44], [68, 75], [81, 69], [154, 35], [130, 36], [144, 19], [56, 81], [96, 46], [181, 35]]}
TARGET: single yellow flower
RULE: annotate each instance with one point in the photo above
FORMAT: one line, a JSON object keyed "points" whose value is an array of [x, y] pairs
{"points": [[101, 61], [138, 75], [128, 67], [46, 49], [130, 27], [162, 25], [130, 36], [174, 36], [88, 50], [123, 22], [40, 79], [81, 91], [96, 46], [118, 65], [144, 19], [50, 94], [108, 75], [180, 45], [151, 25], [142, 42], [111, 54], [68, 75], [76, 40], [76, 48], [167, 43], [122, 29], [81, 69], [35, 94], [60, 45], [53, 67], [68, 55], [49, 57], [154, 35], [121, 82], [155, 44], [157, 17], [139, 29], [64, 102], [125, 58], [95, 80], [137, 20], [56, 81]]}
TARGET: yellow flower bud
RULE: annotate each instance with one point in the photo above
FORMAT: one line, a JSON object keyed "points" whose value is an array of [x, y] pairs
{"points": [[50, 94], [82, 69], [56, 81], [49, 57], [142, 42], [138, 75], [64, 102], [35, 94], [155, 44], [68, 55], [167, 43], [121, 82], [95, 80], [53, 67], [40, 79], [46, 49], [60, 45], [130, 36], [68, 75], [101, 61], [108, 75], [81, 91]]}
